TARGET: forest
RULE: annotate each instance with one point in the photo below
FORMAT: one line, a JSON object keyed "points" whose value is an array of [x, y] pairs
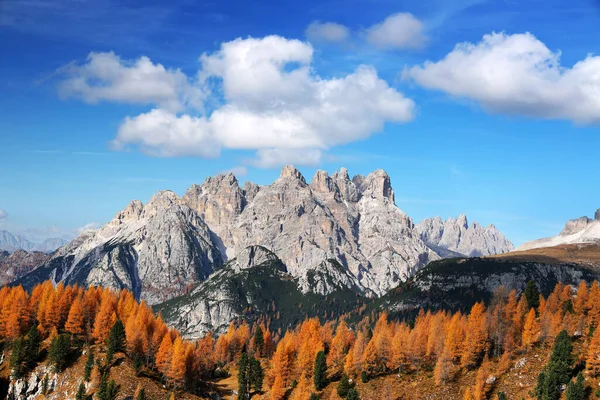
{"points": [[58, 324]]}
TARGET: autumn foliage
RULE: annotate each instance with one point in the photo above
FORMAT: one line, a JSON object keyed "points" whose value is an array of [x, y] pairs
{"points": [[442, 342]]}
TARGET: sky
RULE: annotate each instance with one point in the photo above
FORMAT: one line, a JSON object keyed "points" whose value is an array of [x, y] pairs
{"points": [[489, 108]]}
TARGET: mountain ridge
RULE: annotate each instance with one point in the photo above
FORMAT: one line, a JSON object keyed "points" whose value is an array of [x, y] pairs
{"points": [[332, 226]]}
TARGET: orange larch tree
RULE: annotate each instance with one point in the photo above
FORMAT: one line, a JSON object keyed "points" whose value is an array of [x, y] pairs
{"points": [[531, 329], [593, 354], [476, 337], [75, 323], [164, 355], [105, 318]]}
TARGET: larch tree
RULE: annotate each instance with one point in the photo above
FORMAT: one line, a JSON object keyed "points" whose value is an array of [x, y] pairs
{"points": [[476, 337], [177, 367], [105, 319], [531, 330], [593, 354], [277, 390], [444, 368], [164, 355], [75, 323]]}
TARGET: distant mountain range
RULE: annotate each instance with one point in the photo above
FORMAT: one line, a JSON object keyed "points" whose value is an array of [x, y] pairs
{"points": [[10, 243], [580, 230]]}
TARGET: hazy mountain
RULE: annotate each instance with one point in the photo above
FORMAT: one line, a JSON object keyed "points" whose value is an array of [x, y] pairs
{"points": [[580, 230], [456, 235], [11, 242]]}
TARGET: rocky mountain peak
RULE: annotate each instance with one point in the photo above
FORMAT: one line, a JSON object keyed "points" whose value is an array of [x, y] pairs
{"points": [[215, 183], [597, 215], [377, 185], [462, 221], [455, 237], [347, 188], [289, 171], [575, 225], [250, 191], [322, 182]]}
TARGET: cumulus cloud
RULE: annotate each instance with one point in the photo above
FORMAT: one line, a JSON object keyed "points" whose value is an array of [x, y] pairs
{"points": [[3, 215], [398, 31], [272, 101], [516, 74], [319, 31], [106, 77]]}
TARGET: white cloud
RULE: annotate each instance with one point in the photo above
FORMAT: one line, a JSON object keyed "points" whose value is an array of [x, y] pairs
{"points": [[92, 226], [164, 134], [399, 31], [516, 74], [238, 170], [273, 101], [3, 215], [105, 77], [275, 158], [319, 31]]}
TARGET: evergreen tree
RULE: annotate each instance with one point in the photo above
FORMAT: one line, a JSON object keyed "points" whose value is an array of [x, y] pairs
{"points": [[502, 396], [58, 353], [33, 344], [320, 371], [115, 341], [81, 392], [558, 370], [532, 294], [89, 365], [343, 387], [102, 387], [243, 377], [314, 396], [112, 390], [259, 341], [576, 390], [18, 358], [45, 385], [256, 374], [140, 393], [107, 390], [352, 394]]}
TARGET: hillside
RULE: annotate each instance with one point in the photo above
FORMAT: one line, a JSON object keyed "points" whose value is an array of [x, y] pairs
{"points": [[437, 355]]}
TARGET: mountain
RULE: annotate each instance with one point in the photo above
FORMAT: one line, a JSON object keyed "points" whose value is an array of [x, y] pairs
{"points": [[458, 283], [335, 229], [580, 230], [455, 237], [256, 283], [155, 250], [19, 263], [352, 221], [10, 242], [49, 245]]}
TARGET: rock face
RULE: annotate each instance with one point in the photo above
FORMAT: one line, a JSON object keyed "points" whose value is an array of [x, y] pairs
{"points": [[155, 250], [354, 222], [580, 230], [460, 282], [257, 283], [15, 265], [336, 232], [456, 237]]}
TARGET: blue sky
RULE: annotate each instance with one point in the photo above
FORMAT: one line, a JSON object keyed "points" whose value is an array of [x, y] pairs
{"points": [[102, 102]]}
